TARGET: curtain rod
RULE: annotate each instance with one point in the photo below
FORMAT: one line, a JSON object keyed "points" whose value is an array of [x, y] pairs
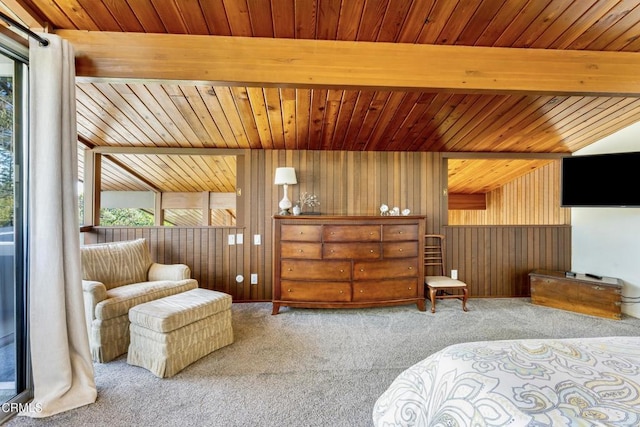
{"points": [[11, 22]]}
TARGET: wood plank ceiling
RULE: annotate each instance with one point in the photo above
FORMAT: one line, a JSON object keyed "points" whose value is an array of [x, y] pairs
{"points": [[166, 114]]}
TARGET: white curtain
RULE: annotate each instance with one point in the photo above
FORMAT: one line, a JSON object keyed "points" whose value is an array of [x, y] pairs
{"points": [[62, 368]]}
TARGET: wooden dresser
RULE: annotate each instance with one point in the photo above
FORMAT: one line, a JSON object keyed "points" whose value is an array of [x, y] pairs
{"points": [[348, 261], [580, 294]]}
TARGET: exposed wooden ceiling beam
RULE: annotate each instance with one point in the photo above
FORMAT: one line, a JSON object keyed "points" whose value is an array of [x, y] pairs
{"points": [[271, 62], [135, 175]]}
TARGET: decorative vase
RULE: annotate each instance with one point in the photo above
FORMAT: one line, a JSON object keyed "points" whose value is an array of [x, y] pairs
{"points": [[297, 210]]}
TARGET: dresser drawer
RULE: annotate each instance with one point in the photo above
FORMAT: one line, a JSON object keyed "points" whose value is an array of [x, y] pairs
{"points": [[351, 233], [292, 290], [381, 290], [400, 232], [301, 250], [315, 270], [400, 249], [300, 232], [368, 270], [351, 250]]}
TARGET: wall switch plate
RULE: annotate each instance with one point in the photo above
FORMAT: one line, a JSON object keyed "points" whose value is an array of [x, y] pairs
{"points": [[254, 279], [454, 274], [232, 239], [239, 238], [257, 240]]}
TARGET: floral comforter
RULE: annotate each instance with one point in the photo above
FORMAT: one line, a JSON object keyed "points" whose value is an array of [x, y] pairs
{"points": [[546, 382]]}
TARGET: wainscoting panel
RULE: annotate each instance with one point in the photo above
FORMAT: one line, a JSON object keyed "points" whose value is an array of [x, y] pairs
{"points": [[495, 260], [213, 262]]}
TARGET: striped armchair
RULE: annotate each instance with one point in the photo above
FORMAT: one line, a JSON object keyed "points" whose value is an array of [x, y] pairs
{"points": [[116, 277]]}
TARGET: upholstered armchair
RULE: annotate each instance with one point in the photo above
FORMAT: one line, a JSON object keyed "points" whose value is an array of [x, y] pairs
{"points": [[116, 277]]}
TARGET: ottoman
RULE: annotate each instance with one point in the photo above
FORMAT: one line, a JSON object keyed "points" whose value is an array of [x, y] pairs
{"points": [[170, 333]]}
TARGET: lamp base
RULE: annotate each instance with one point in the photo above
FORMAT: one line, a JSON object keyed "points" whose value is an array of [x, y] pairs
{"points": [[285, 203]]}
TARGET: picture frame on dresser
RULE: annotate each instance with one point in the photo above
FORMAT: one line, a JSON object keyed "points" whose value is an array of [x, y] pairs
{"points": [[348, 261]]}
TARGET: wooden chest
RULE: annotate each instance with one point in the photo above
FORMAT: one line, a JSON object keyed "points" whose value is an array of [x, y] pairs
{"points": [[580, 294], [348, 261]]}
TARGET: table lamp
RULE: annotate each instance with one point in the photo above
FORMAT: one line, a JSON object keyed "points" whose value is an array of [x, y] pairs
{"points": [[285, 177]]}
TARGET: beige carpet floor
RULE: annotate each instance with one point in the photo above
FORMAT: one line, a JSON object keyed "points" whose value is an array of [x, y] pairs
{"points": [[312, 367]]}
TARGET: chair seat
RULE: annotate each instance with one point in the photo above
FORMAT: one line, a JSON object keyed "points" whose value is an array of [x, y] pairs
{"points": [[439, 285], [443, 282]]}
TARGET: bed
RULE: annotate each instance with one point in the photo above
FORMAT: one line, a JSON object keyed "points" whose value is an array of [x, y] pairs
{"points": [[545, 382]]}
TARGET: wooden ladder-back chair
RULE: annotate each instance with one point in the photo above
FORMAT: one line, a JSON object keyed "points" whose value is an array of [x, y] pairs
{"points": [[439, 287]]}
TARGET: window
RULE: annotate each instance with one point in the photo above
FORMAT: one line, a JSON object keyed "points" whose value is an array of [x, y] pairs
{"points": [[13, 329]]}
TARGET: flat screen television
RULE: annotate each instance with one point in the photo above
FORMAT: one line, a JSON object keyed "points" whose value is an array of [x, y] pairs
{"points": [[601, 180]]}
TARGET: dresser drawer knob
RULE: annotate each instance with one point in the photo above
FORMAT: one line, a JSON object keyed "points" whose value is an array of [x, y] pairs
{"points": [[409, 287], [341, 292], [301, 232], [361, 291], [300, 250], [362, 269], [371, 233], [332, 233], [410, 268], [400, 249], [332, 251], [289, 269], [288, 290], [341, 270], [370, 250]]}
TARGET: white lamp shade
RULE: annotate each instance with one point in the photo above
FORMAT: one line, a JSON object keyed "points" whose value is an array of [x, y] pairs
{"points": [[285, 176]]}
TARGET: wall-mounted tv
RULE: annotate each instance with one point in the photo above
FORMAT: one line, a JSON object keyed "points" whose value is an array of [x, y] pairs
{"points": [[601, 180]]}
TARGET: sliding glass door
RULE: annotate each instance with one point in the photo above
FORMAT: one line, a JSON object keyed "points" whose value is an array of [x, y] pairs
{"points": [[13, 358]]}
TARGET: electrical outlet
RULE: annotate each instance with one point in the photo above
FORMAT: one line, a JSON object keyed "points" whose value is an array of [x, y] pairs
{"points": [[239, 239], [232, 239], [454, 274], [254, 279], [257, 240]]}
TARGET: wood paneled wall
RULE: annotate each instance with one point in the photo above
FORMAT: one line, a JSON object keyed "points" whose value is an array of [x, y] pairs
{"points": [[346, 183], [495, 260], [214, 263], [533, 198]]}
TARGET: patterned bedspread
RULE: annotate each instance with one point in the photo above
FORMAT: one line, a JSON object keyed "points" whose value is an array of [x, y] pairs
{"points": [[563, 382]]}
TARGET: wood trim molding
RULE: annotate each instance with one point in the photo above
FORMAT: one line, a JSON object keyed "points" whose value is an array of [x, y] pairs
{"points": [[280, 62], [222, 201], [92, 183], [170, 150], [510, 155], [198, 200], [459, 201], [183, 200]]}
